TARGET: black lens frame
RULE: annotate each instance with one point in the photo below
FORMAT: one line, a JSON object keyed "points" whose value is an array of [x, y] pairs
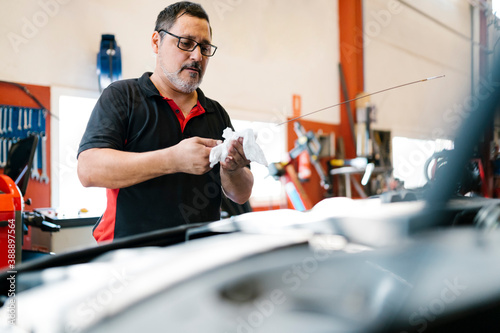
{"points": [[201, 45]]}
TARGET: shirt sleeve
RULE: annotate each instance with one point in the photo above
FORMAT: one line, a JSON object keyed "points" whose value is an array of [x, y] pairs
{"points": [[107, 126]]}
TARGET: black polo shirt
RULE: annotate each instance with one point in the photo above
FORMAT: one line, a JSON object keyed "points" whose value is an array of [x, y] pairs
{"points": [[132, 116]]}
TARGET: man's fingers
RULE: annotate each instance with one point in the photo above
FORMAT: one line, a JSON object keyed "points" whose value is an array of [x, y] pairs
{"points": [[236, 147], [209, 142]]}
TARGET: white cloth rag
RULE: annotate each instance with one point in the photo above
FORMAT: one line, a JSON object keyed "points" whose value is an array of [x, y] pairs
{"points": [[250, 147]]}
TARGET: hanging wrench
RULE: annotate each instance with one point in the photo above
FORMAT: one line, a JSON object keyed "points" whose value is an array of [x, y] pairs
{"points": [[19, 127], [4, 152], [1, 153], [1, 115], [34, 167], [25, 119], [44, 177], [29, 119], [10, 120], [4, 120]]}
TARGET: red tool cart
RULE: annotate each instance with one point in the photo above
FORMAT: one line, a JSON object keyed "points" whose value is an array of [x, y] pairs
{"points": [[11, 207]]}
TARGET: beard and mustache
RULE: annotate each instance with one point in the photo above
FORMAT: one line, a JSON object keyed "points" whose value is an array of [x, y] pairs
{"points": [[185, 86]]}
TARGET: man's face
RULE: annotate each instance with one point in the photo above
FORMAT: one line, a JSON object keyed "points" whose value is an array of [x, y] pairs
{"points": [[183, 69]]}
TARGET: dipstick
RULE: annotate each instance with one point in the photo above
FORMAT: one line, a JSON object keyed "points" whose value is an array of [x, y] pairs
{"points": [[354, 99]]}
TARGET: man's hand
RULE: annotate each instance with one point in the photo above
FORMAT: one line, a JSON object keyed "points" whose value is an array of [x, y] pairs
{"points": [[237, 181], [236, 158], [192, 155]]}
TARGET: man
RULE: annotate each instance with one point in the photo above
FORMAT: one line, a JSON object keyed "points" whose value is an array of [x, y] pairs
{"points": [[148, 140]]}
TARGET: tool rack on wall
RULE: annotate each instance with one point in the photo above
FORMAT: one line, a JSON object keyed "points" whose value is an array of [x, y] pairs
{"points": [[24, 111], [17, 123]]}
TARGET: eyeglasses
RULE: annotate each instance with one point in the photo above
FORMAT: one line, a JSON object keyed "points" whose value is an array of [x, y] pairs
{"points": [[188, 44]]}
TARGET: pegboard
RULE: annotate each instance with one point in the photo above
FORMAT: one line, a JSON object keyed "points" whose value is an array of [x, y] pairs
{"points": [[22, 115], [17, 123]]}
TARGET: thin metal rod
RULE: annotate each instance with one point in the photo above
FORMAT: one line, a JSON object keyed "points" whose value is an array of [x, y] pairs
{"points": [[360, 97]]}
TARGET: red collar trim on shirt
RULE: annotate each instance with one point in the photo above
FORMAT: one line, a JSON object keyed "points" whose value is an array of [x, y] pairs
{"points": [[195, 111]]}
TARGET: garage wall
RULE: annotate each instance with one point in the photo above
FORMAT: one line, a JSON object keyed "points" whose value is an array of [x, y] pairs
{"points": [[268, 49], [418, 39]]}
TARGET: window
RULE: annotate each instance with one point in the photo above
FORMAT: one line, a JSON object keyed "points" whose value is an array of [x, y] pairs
{"points": [[410, 157], [69, 196]]}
